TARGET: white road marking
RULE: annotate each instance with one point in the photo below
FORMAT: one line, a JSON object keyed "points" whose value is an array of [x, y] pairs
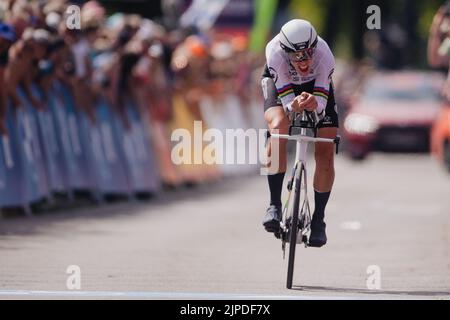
{"points": [[166, 295], [351, 225], [411, 209]]}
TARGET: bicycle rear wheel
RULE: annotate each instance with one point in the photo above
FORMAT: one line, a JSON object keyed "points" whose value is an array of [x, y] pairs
{"points": [[293, 229]]}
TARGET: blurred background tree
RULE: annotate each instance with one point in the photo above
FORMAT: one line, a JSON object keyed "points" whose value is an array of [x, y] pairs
{"points": [[400, 42], [342, 23]]}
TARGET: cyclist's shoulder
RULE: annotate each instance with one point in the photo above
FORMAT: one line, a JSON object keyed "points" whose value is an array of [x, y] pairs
{"points": [[324, 54], [275, 58], [323, 49], [273, 50]]}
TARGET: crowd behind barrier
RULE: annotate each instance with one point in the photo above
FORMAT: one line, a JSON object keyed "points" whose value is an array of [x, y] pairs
{"points": [[94, 109]]}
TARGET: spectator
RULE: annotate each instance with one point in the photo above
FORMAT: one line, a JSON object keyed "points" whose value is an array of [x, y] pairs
{"points": [[438, 33], [439, 43], [7, 37], [123, 60]]}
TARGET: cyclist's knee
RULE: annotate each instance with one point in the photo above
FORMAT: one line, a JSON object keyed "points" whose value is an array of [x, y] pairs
{"points": [[278, 122], [324, 155], [281, 125]]}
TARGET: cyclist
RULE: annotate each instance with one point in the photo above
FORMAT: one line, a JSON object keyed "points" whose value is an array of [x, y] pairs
{"points": [[297, 77]]}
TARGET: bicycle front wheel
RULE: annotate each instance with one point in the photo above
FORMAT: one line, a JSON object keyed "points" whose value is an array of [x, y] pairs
{"points": [[293, 229]]}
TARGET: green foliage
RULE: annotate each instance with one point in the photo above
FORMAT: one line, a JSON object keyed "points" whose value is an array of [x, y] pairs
{"points": [[427, 10], [311, 10]]}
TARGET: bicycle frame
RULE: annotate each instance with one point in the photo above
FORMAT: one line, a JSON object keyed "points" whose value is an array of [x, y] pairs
{"points": [[302, 142], [298, 182]]}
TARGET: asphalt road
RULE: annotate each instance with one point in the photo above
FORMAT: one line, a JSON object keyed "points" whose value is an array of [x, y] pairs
{"points": [[391, 211]]}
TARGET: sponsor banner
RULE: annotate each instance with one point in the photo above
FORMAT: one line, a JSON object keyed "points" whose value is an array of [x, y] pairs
{"points": [[13, 181], [52, 153], [136, 152], [31, 150], [75, 153], [203, 13]]}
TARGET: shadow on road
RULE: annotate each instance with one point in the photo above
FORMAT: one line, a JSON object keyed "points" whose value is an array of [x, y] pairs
{"points": [[373, 292], [41, 222]]}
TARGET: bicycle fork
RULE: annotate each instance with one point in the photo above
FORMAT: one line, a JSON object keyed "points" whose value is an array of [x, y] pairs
{"points": [[298, 176], [303, 211]]}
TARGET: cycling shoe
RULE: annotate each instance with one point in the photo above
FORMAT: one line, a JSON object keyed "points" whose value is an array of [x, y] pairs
{"points": [[318, 237], [271, 221]]}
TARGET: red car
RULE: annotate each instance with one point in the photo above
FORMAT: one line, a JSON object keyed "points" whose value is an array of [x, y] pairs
{"points": [[440, 137], [393, 112]]}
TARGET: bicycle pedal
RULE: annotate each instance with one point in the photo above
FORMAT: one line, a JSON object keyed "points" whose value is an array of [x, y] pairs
{"points": [[302, 239], [305, 240]]}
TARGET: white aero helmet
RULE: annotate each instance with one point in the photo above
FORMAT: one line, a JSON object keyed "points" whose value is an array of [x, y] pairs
{"points": [[297, 35]]}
